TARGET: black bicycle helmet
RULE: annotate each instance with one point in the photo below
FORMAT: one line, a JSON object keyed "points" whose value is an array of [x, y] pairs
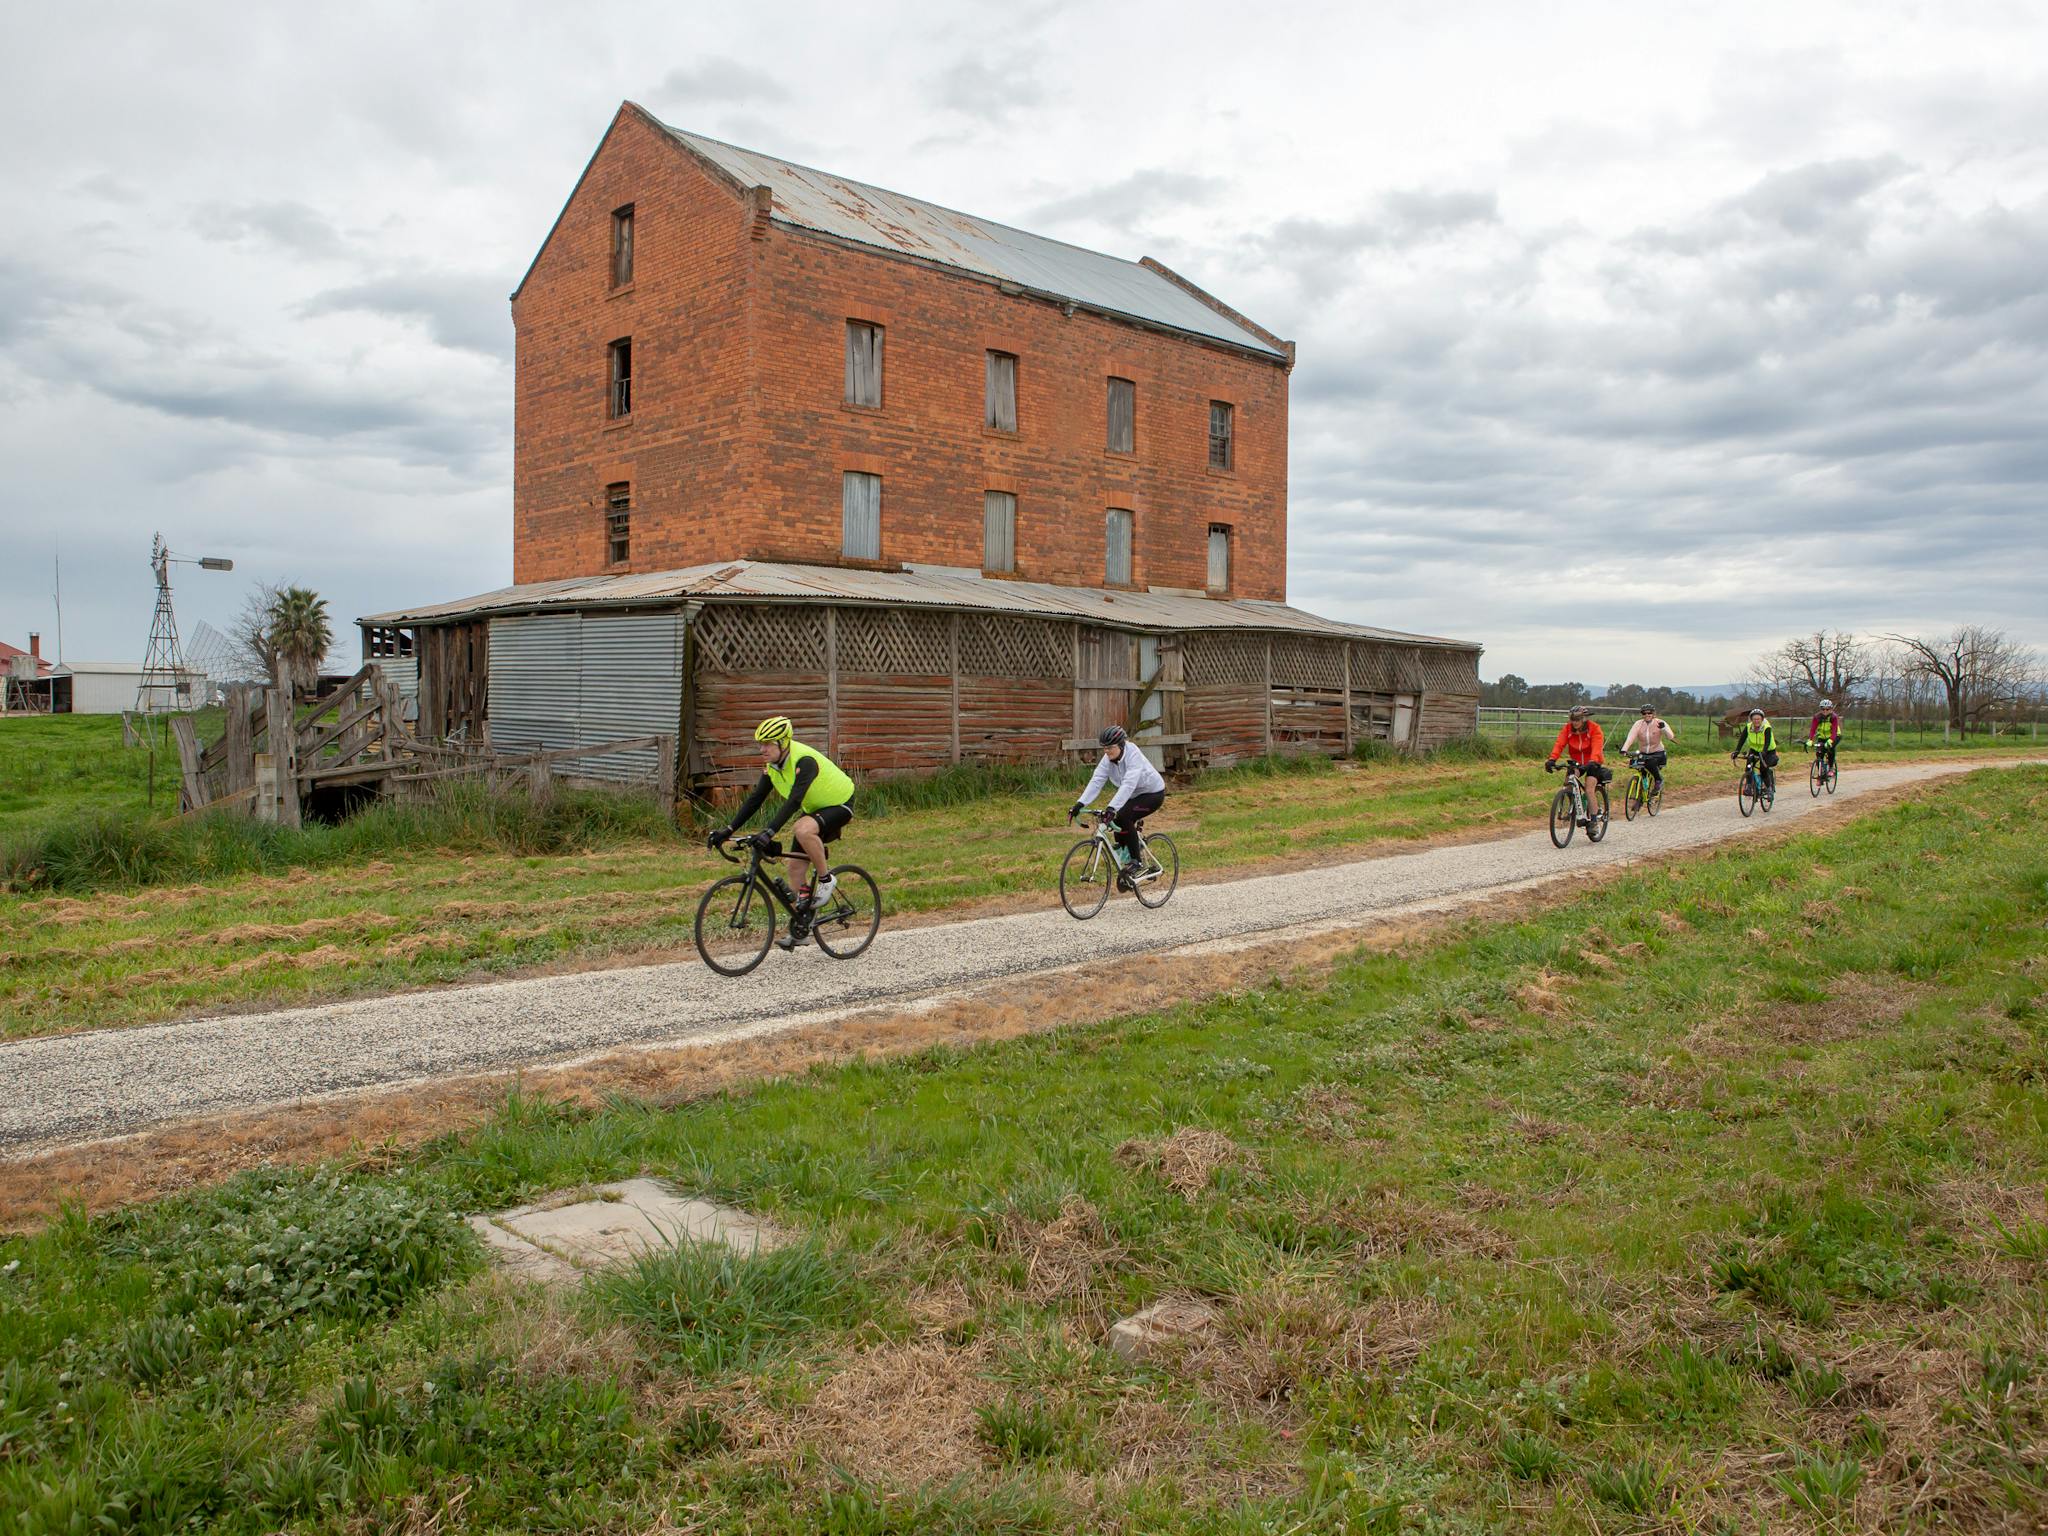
{"points": [[1112, 735]]}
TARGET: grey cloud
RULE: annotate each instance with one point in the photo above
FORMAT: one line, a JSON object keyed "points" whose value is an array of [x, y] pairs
{"points": [[719, 81], [986, 93], [108, 188], [465, 311], [1138, 196], [1808, 198], [290, 226]]}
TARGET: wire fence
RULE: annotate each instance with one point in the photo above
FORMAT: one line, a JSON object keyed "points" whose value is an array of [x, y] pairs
{"points": [[1871, 731]]}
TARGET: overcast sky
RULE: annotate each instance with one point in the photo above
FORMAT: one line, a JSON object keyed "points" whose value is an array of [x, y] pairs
{"points": [[1632, 337]]}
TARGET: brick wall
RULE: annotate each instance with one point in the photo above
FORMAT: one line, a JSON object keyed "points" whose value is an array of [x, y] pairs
{"points": [[740, 432]]}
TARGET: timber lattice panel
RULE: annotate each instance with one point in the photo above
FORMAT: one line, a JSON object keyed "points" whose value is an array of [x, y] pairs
{"points": [[895, 642], [1305, 663], [1451, 671], [996, 647], [1223, 660], [739, 638]]}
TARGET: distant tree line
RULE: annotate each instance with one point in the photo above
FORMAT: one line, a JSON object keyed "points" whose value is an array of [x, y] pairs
{"points": [[1973, 677]]}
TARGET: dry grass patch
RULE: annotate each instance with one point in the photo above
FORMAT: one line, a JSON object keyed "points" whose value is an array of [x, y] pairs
{"points": [[1188, 1159], [1063, 1256], [900, 1415]]}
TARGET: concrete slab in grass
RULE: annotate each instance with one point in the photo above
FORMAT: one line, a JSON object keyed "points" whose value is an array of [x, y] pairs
{"points": [[554, 1240], [1164, 1326]]}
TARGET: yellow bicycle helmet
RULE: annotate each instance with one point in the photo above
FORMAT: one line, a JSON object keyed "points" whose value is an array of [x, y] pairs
{"points": [[775, 728]]}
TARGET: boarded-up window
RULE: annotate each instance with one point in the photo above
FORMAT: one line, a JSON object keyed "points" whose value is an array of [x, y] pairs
{"points": [[860, 506], [1221, 429], [1001, 412], [1116, 541], [998, 531], [863, 363], [619, 399], [1123, 416], [1219, 558], [622, 246], [618, 522]]}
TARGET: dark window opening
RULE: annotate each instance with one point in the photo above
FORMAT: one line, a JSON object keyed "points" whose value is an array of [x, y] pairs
{"points": [[1001, 410], [618, 523], [863, 363], [1123, 416], [384, 640], [622, 246], [621, 395], [1221, 434]]}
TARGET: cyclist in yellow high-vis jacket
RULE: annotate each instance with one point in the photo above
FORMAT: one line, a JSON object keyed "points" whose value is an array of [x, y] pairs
{"points": [[1761, 737], [813, 788]]}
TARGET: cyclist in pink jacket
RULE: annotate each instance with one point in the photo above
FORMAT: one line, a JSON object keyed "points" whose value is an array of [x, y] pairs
{"points": [[1648, 736]]}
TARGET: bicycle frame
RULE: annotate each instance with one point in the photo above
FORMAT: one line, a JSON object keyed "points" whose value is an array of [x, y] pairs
{"points": [[776, 886], [1105, 839]]}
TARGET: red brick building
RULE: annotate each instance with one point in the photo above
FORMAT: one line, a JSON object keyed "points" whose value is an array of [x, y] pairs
{"points": [[941, 491], [726, 356]]}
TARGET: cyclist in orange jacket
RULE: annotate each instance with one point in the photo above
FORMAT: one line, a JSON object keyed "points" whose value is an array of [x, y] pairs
{"points": [[1584, 742]]}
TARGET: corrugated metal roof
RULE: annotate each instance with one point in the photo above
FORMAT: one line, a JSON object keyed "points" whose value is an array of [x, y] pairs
{"points": [[762, 580], [852, 210]]}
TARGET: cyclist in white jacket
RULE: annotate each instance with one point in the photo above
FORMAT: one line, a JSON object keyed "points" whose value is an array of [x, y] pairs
{"points": [[1139, 790]]}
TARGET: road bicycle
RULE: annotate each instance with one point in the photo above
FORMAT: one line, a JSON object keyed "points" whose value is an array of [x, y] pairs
{"points": [[1645, 790], [1755, 790], [736, 919], [1091, 868], [1573, 807], [1824, 772]]}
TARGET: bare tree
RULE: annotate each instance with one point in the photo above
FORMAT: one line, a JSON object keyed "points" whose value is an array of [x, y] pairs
{"points": [[250, 635], [1978, 670], [1827, 664]]}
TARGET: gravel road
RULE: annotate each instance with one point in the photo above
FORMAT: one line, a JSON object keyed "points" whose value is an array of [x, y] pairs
{"points": [[81, 1087]]}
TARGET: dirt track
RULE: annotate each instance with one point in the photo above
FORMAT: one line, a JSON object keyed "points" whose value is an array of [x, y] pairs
{"points": [[73, 1088]]}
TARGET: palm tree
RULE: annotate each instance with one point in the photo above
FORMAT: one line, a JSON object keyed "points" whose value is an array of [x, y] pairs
{"points": [[300, 635]]}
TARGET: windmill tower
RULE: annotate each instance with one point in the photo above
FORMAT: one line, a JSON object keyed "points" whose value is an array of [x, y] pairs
{"points": [[162, 689], [166, 687]]}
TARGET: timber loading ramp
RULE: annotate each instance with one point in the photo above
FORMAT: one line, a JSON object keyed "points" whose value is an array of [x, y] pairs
{"points": [[69, 1089]]}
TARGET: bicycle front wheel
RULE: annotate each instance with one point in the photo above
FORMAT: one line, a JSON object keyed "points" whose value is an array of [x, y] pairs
{"points": [[1563, 823], [1834, 775], [1596, 813], [1162, 873], [848, 924], [735, 925], [1816, 774], [1746, 795], [1633, 799], [1084, 878]]}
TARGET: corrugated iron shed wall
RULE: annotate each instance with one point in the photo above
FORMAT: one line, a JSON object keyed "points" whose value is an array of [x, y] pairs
{"points": [[562, 680]]}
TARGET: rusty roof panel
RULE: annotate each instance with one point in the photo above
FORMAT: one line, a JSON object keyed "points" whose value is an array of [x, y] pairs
{"points": [[852, 210], [770, 581]]}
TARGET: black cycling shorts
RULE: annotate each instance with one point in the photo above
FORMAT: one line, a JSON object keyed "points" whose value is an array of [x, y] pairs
{"points": [[831, 820]]}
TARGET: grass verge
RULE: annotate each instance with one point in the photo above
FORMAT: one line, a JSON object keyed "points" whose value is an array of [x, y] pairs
{"points": [[1712, 1201]]}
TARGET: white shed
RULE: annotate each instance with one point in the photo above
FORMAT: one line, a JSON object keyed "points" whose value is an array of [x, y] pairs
{"points": [[102, 687]]}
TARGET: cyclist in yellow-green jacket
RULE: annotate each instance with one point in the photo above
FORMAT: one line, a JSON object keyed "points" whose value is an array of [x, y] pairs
{"points": [[814, 789]]}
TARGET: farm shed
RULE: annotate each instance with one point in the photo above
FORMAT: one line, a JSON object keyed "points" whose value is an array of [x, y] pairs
{"points": [[914, 670]]}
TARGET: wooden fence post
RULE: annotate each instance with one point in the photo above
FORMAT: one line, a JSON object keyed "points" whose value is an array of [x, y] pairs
{"points": [[284, 754], [1347, 698], [832, 682], [953, 645], [193, 796], [1269, 695]]}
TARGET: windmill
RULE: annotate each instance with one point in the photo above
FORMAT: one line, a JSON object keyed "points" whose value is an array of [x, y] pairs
{"points": [[166, 686]]}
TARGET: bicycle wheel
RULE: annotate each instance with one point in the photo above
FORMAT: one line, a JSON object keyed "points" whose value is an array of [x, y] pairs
{"points": [[1834, 774], [1153, 889], [1634, 798], [1654, 801], [1768, 796], [847, 926], [1816, 775], [1084, 879], [735, 925], [1747, 794], [1562, 822], [1596, 813]]}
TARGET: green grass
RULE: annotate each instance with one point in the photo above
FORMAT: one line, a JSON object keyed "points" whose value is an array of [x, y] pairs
{"points": [[1548, 1225], [55, 767]]}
